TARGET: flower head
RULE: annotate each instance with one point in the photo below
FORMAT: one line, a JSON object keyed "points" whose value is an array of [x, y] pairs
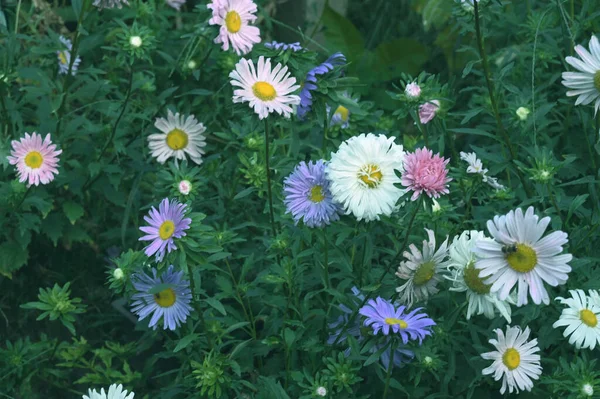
{"points": [[465, 277], [363, 177], [135, 41], [295, 47], [310, 82], [234, 18], [118, 273], [428, 111], [520, 255], [587, 390], [523, 113], [180, 135], [475, 166], [422, 270], [110, 3], [36, 160], [382, 315], [307, 195], [515, 360], [412, 90], [321, 391], [424, 172], [585, 84], [581, 319], [341, 115], [165, 224], [184, 187], [264, 89], [172, 303], [176, 4], [114, 392], [64, 58]]}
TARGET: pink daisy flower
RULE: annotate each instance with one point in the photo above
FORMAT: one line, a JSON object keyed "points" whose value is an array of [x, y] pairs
{"points": [[36, 160], [428, 110], [425, 172]]}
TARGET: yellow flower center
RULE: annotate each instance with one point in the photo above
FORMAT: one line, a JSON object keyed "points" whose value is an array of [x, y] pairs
{"points": [[177, 139], [264, 91], [166, 298], [523, 259], [316, 194], [343, 113], [233, 22], [370, 175], [392, 321], [511, 358], [166, 229], [588, 318], [34, 159], [474, 282], [62, 57], [424, 273], [597, 80]]}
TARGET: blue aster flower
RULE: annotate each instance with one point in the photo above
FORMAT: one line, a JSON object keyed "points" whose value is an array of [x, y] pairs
{"points": [[307, 195], [310, 83], [382, 316], [284, 46], [401, 355], [172, 304]]}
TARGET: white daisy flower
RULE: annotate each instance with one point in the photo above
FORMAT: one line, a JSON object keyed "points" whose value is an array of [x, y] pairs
{"points": [[475, 166], [114, 392], [465, 277], [586, 83], [180, 136], [515, 360], [266, 90], [520, 255], [64, 57], [581, 319], [234, 18], [422, 270], [362, 175]]}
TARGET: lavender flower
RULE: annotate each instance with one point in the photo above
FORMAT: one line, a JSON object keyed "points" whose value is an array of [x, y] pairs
{"points": [[165, 224], [307, 195], [382, 316], [310, 83], [172, 303], [401, 355], [284, 46]]}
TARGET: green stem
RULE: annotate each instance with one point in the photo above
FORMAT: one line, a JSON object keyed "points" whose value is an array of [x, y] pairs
{"points": [[123, 108], [6, 115], [326, 281], [554, 203], [389, 370], [23, 197], [325, 130], [17, 17], [491, 91], [269, 190], [247, 312], [196, 304]]}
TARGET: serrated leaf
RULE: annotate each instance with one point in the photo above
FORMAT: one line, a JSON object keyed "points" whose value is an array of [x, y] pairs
{"points": [[73, 211]]}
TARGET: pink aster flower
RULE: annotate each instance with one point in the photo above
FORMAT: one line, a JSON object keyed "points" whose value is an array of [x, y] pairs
{"points": [[425, 172], [428, 110], [36, 160]]}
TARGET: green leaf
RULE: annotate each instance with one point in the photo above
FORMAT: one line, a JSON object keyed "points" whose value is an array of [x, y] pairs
{"points": [[342, 35], [185, 341], [217, 305], [73, 211], [12, 258]]}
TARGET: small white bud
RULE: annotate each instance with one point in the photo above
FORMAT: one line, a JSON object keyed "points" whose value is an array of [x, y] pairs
{"points": [[412, 90], [185, 187], [321, 391], [192, 64], [587, 390], [118, 273], [135, 41], [427, 360], [523, 113], [435, 208]]}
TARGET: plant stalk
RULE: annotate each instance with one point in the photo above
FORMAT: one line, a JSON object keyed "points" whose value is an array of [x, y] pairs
{"points": [[269, 189]]}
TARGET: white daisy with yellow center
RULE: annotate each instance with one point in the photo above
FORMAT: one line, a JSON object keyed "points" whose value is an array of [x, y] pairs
{"points": [[266, 90], [363, 177], [422, 270], [581, 318], [520, 256], [585, 84], [515, 360], [465, 278], [180, 137], [234, 18]]}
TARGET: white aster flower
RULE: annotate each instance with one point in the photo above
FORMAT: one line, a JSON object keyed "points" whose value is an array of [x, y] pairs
{"points": [[465, 277], [520, 255], [266, 90], [180, 136], [422, 270], [581, 319], [114, 392], [321, 391], [234, 18], [475, 166], [362, 175], [515, 360], [135, 41], [586, 83], [587, 390]]}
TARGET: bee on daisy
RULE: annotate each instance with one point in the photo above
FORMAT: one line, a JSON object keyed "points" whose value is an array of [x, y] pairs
{"points": [[234, 18], [581, 318], [266, 89], [36, 159], [180, 137]]}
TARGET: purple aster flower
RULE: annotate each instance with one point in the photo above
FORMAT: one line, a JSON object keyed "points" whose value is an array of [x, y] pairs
{"points": [[382, 316], [401, 355], [307, 195], [172, 303], [165, 224], [310, 83], [284, 46]]}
